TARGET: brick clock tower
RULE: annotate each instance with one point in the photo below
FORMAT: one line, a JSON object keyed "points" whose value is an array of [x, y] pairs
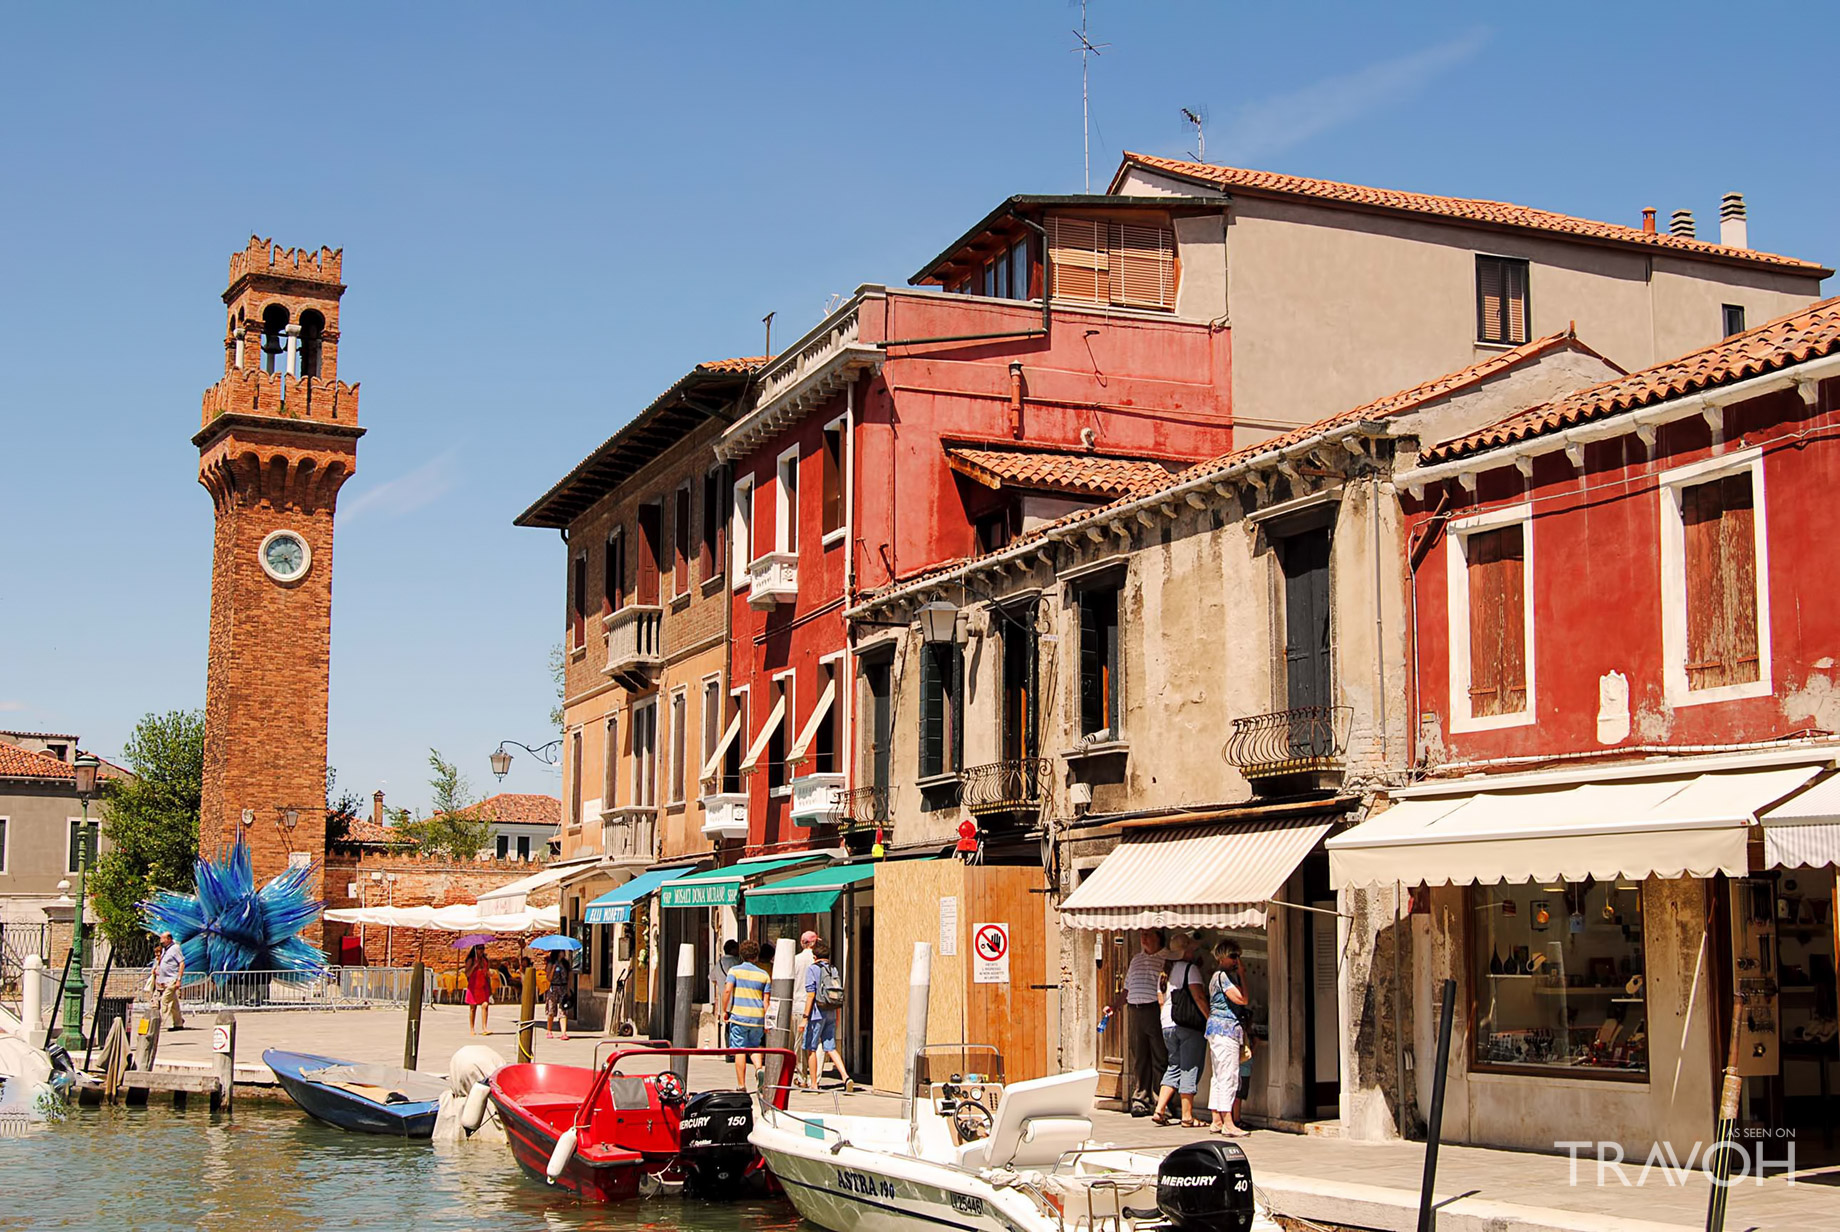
{"points": [[280, 437]]}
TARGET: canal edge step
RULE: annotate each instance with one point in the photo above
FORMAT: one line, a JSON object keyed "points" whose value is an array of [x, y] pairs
{"points": [[1350, 1205]]}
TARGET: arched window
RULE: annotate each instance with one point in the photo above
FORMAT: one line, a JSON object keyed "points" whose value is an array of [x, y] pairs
{"points": [[312, 331], [274, 338]]}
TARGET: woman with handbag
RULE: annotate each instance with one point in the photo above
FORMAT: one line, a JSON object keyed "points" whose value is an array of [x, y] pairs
{"points": [[1184, 1017], [1226, 1038]]}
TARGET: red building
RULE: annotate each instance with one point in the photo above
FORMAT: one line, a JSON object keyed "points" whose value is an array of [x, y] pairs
{"points": [[911, 428]]}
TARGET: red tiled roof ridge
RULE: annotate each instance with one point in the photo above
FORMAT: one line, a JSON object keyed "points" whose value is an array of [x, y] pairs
{"points": [[1792, 338], [739, 364], [23, 763], [1057, 470], [1471, 209], [517, 808]]}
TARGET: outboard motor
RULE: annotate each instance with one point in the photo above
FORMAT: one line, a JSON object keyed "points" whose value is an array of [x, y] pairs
{"points": [[1206, 1187], [713, 1147]]}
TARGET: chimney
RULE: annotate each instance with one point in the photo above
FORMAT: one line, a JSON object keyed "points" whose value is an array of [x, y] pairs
{"points": [[377, 808], [1648, 220], [1734, 231], [1683, 225]]}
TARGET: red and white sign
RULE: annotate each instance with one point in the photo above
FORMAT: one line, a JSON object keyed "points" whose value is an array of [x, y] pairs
{"points": [[220, 1039], [990, 954]]}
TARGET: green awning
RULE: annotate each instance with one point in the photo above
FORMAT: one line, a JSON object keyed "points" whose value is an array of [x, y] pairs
{"points": [[720, 887], [809, 893]]}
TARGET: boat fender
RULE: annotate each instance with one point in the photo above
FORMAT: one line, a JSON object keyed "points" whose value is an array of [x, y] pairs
{"points": [[473, 1115], [559, 1158]]}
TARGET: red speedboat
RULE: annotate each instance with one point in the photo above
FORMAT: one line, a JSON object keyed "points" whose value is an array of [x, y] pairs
{"points": [[604, 1136]]}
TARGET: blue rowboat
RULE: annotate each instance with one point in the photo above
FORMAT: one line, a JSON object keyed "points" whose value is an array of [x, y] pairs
{"points": [[363, 1098]]}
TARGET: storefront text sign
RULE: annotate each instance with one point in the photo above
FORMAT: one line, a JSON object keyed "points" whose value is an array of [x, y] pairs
{"points": [[948, 927], [990, 954], [708, 894]]}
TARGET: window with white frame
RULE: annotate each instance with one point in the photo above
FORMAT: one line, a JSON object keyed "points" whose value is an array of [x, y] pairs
{"points": [[645, 753], [1491, 619], [76, 844], [779, 771], [575, 777], [680, 743], [1715, 600], [3, 835], [504, 845], [786, 503], [831, 507], [741, 536], [610, 763], [712, 718]]}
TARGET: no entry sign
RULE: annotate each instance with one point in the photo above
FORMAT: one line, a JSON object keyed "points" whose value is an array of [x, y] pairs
{"points": [[990, 954]]}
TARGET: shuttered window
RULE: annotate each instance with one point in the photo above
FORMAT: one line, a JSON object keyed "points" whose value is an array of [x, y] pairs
{"points": [[1501, 300], [613, 572], [680, 543], [1099, 660], [1718, 526], [1112, 263], [709, 553], [578, 602], [941, 708], [833, 478], [1496, 565]]}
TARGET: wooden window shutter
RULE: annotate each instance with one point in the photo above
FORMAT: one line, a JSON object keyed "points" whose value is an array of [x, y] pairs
{"points": [[1489, 315], [1718, 529], [680, 536], [1081, 259], [833, 479], [1497, 622], [651, 534], [955, 685], [932, 712], [1514, 296], [1142, 266], [578, 603]]}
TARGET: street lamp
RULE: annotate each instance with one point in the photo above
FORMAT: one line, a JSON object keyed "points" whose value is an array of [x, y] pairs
{"points": [[72, 1037], [939, 621], [549, 754]]}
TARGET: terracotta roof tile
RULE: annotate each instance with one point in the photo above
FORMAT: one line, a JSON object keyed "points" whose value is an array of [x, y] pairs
{"points": [[742, 364], [520, 808], [19, 763], [1466, 209], [366, 833], [1053, 471], [1809, 334]]}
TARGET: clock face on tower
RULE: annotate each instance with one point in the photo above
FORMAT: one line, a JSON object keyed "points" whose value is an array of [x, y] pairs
{"points": [[285, 556]]}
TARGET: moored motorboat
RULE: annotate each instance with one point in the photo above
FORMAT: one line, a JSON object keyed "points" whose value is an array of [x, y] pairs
{"points": [[361, 1097], [604, 1135], [977, 1156]]}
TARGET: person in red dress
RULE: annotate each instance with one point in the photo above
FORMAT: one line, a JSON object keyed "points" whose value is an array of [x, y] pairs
{"points": [[478, 991]]}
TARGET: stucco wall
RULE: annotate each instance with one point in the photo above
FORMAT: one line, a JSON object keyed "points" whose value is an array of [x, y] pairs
{"points": [[37, 845]]}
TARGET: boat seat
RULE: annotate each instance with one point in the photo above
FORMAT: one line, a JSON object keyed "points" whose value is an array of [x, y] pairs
{"points": [[1037, 1122]]}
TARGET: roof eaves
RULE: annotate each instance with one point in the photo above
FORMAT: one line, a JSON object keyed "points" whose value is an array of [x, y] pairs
{"points": [[1026, 203]]}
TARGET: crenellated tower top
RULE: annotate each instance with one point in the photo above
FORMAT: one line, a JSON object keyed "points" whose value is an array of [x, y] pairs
{"points": [[281, 337], [264, 257]]}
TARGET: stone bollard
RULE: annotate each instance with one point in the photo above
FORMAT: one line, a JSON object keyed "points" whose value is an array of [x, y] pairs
{"points": [[31, 995]]}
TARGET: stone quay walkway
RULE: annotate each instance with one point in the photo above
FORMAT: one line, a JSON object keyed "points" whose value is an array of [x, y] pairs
{"points": [[1325, 1179]]}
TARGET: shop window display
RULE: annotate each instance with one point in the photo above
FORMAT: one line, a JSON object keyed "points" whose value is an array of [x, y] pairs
{"points": [[1559, 977]]}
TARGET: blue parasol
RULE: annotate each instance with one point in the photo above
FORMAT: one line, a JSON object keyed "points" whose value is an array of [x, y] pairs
{"points": [[555, 941]]}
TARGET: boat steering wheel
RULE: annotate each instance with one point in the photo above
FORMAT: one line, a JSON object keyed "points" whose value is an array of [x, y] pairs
{"points": [[670, 1088], [971, 1120]]}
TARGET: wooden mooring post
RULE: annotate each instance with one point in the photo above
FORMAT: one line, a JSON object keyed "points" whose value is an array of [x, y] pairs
{"points": [[412, 1035], [223, 1060], [527, 1014]]}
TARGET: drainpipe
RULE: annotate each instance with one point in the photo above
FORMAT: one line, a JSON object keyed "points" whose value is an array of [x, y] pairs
{"points": [[847, 682], [1373, 516], [1015, 399]]}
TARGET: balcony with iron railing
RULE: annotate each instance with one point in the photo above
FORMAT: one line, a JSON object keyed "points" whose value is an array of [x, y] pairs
{"points": [[725, 814], [1308, 740], [635, 643], [773, 579], [1018, 785], [629, 834], [865, 808], [815, 799]]}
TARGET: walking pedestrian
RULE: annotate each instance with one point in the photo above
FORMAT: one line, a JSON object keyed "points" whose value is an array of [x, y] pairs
{"points": [[169, 978], [744, 1009], [1145, 1053], [800, 965], [559, 997], [1183, 1017], [478, 990], [823, 1003], [1226, 1038]]}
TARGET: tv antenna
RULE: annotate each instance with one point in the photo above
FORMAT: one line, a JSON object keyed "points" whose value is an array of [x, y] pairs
{"points": [[1199, 120], [1086, 49]]}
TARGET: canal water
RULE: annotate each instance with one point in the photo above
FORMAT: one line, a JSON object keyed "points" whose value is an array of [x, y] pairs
{"points": [[154, 1168]]}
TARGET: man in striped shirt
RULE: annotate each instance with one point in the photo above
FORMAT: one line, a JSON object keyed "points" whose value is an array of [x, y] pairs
{"points": [[744, 1008], [1145, 1052]]}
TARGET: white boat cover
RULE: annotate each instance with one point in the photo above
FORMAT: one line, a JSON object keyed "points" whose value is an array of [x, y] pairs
{"points": [[1530, 827], [1212, 876]]}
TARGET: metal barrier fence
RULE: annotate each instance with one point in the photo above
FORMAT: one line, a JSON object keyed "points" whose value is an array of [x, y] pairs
{"points": [[334, 988]]}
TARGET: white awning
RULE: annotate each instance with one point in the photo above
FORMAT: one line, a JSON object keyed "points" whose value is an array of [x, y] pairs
{"points": [[1652, 821], [1804, 831], [766, 733], [514, 896], [728, 737], [810, 730], [458, 918], [1212, 876]]}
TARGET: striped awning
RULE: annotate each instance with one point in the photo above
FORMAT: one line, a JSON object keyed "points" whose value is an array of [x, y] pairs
{"points": [[1804, 830], [1209, 876]]}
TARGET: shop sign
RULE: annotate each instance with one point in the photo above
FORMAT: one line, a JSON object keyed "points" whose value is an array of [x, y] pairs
{"points": [[948, 927], [707, 894]]}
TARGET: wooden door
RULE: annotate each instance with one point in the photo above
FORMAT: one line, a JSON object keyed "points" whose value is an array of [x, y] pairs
{"points": [[1020, 1018], [1306, 619], [651, 539], [1114, 957]]}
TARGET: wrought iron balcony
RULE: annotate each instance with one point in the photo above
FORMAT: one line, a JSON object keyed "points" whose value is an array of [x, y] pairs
{"points": [[1307, 740], [629, 834], [725, 815], [1016, 786], [635, 643], [815, 799], [773, 579], [866, 807]]}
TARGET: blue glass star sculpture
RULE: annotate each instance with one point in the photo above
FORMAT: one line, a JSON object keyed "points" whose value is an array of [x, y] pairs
{"points": [[230, 925]]}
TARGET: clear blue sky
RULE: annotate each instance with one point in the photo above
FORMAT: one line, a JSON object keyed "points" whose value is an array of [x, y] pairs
{"points": [[550, 211]]}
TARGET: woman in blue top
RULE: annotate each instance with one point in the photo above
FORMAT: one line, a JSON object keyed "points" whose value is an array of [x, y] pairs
{"points": [[1226, 1035]]}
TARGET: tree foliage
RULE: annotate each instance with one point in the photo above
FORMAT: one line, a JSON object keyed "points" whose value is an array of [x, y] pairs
{"points": [[150, 820], [454, 828]]}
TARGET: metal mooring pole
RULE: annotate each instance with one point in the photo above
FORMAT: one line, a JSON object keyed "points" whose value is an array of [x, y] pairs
{"points": [[1434, 1127]]}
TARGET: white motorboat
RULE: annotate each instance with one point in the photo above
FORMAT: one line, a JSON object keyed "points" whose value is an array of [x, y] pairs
{"points": [[978, 1156]]}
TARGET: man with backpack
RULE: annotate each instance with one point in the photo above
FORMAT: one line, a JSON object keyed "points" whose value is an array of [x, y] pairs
{"points": [[824, 999]]}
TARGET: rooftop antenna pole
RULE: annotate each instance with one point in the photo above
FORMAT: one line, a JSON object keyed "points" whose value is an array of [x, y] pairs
{"points": [[1087, 47], [768, 322], [1200, 123]]}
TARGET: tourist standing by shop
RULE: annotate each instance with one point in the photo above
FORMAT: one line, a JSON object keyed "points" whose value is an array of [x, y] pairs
{"points": [[1226, 1038], [169, 978], [1145, 1053], [801, 964], [744, 1009], [823, 1003], [559, 996], [1183, 1017], [478, 991]]}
